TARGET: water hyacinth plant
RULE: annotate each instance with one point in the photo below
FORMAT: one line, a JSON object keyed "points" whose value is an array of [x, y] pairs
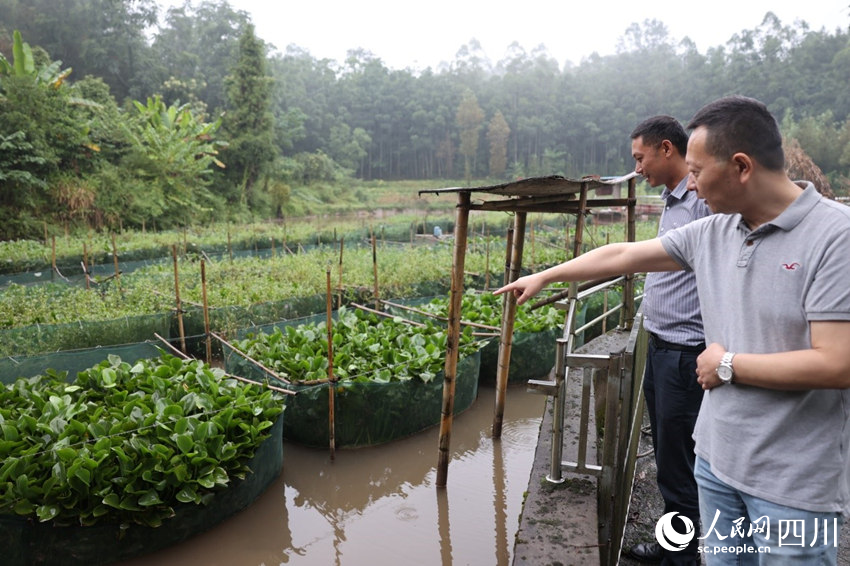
{"points": [[126, 443]]}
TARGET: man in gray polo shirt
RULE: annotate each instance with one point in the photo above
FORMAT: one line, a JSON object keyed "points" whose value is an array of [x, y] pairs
{"points": [[772, 268]]}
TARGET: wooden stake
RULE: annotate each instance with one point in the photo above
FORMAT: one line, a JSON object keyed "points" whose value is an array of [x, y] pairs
{"points": [[206, 310], [487, 261], [508, 316], [86, 264], [53, 257], [229, 247], [179, 305], [375, 273], [339, 287], [115, 260], [453, 337], [331, 378]]}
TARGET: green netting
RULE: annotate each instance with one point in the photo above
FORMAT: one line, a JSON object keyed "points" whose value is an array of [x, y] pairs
{"points": [[72, 362], [44, 338], [532, 356], [28, 543], [365, 413], [532, 353]]}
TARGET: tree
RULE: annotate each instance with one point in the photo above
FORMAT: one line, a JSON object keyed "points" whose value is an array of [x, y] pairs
{"points": [[169, 164], [469, 118], [248, 121], [498, 133]]}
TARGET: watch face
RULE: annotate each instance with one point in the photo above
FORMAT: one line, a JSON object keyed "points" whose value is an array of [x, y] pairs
{"points": [[724, 373]]}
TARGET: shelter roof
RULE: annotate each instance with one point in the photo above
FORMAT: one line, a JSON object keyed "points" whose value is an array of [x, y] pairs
{"points": [[553, 193]]}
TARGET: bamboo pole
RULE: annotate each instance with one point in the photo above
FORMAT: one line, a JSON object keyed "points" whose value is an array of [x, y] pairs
{"points": [[628, 313], [509, 245], [271, 372], [206, 310], [331, 379], [508, 315], [339, 287], [386, 315], [375, 273], [442, 318], [178, 304], [453, 337], [487, 261], [230, 375], [115, 260], [52, 257], [86, 265]]}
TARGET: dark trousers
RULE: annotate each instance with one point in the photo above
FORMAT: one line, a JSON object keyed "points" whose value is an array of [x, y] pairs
{"points": [[673, 398]]}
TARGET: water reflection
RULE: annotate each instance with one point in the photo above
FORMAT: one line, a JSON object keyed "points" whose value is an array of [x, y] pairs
{"points": [[379, 505]]}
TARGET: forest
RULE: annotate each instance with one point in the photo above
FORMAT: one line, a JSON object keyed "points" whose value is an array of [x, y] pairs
{"points": [[117, 114]]}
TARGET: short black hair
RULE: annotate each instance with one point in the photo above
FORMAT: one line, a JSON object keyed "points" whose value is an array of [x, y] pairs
{"points": [[738, 124], [656, 129]]}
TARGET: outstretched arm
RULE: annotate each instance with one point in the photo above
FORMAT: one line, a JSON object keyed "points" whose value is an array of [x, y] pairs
{"points": [[613, 259]]}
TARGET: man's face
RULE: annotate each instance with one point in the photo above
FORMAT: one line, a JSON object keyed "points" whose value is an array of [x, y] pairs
{"points": [[649, 162], [711, 178]]}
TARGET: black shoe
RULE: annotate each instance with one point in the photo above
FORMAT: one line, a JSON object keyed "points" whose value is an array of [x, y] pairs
{"points": [[647, 552]]}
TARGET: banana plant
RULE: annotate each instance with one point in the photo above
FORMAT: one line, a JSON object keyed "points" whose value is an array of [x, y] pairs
{"points": [[23, 64]]}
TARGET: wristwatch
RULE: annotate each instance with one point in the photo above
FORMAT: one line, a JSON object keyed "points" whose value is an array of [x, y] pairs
{"points": [[724, 370]]}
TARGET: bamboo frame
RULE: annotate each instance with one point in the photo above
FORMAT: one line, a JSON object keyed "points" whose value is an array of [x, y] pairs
{"points": [[453, 338], [206, 310], [230, 375], [178, 304], [331, 379], [508, 316]]}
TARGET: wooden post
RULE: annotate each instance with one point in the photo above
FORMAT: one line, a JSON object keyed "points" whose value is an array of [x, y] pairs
{"points": [[339, 287], [179, 305], [52, 257], [628, 313], [487, 263], [206, 310], [229, 247], [115, 260], [582, 210], [531, 234], [331, 380], [453, 336], [507, 333], [375, 274], [86, 265]]}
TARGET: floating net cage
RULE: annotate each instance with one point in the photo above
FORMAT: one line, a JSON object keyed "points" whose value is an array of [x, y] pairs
{"points": [[366, 412], [28, 542]]}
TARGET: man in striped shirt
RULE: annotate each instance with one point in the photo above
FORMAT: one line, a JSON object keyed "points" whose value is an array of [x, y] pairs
{"points": [[672, 318]]}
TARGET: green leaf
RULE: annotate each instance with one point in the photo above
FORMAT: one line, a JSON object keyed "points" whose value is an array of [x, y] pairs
{"points": [[47, 512]]}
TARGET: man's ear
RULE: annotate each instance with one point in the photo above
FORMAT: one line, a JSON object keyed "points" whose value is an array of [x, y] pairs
{"points": [[667, 148], [744, 164]]}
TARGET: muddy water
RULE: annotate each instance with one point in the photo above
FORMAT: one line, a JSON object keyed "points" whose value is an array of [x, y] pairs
{"points": [[380, 506]]}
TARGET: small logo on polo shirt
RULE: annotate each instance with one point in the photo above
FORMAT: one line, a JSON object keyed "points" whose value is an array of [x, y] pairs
{"points": [[791, 266]]}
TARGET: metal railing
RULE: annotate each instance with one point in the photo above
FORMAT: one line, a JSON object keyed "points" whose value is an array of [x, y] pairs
{"points": [[607, 390]]}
